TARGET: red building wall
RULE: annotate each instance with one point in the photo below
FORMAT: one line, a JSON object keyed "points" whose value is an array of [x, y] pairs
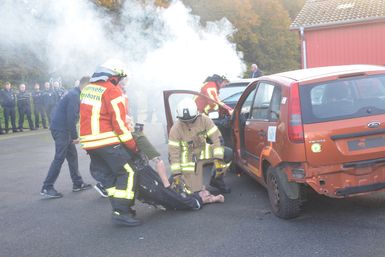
{"points": [[354, 44]]}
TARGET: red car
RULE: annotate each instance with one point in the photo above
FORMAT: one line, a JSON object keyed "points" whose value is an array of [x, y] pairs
{"points": [[320, 128]]}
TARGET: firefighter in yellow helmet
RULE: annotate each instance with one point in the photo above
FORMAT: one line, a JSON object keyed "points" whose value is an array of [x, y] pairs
{"points": [[195, 141]]}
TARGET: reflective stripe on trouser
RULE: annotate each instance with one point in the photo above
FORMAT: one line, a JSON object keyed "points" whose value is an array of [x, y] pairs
{"points": [[194, 180], [115, 174], [128, 192]]}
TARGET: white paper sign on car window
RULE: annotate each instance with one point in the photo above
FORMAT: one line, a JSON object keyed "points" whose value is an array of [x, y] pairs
{"points": [[271, 133]]}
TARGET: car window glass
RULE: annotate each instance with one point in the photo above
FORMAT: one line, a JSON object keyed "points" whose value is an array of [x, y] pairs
{"points": [[275, 105], [233, 98], [245, 110], [260, 109], [343, 99], [232, 89]]}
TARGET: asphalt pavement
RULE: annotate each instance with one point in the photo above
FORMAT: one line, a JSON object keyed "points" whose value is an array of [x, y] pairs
{"points": [[79, 223]]}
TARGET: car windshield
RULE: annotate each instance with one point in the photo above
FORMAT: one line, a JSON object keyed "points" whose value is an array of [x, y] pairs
{"points": [[232, 89], [343, 99], [233, 98]]}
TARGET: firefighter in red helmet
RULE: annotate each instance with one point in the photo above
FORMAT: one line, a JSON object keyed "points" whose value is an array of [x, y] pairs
{"points": [[210, 89]]}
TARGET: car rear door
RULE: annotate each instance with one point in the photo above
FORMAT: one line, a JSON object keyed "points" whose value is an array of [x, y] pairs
{"points": [[344, 121]]}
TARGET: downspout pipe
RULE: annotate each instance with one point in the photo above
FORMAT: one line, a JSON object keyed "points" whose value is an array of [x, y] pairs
{"points": [[303, 46]]}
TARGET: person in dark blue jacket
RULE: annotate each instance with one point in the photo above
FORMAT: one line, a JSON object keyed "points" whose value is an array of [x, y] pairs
{"points": [[24, 106], [8, 100], [255, 71], [37, 96], [63, 129], [49, 100]]}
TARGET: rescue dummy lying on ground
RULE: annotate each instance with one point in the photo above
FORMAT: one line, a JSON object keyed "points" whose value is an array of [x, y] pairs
{"points": [[151, 190], [154, 188]]}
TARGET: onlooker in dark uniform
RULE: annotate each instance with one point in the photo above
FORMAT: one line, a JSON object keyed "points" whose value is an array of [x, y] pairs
{"points": [[38, 109], [59, 91], [24, 107], [63, 129], [9, 104], [255, 71], [1, 105], [49, 100]]}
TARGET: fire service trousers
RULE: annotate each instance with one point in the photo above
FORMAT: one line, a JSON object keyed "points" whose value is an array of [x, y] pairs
{"points": [[194, 180], [39, 112], [109, 165], [10, 112], [23, 110]]}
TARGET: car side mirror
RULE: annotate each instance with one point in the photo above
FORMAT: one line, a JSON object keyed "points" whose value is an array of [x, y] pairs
{"points": [[214, 115]]}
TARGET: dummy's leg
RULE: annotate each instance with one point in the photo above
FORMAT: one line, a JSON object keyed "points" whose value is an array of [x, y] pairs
{"points": [[161, 170], [152, 154]]}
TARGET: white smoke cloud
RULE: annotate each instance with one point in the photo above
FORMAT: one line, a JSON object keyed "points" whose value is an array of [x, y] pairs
{"points": [[164, 48]]}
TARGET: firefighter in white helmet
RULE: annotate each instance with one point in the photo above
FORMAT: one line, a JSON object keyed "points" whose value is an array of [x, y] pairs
{"points": [[108, 140], [194, 141]]}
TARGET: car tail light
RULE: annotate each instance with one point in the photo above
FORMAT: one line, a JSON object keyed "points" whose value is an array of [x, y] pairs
{"points": [[295, 128]]}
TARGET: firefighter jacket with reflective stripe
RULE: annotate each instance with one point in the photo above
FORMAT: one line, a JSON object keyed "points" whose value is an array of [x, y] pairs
{"points": [[188, 143], [209, 89], [103, 116]]}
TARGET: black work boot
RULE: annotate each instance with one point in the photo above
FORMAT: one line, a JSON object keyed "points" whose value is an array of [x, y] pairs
{"points": [[125, 219], [219, 183]]}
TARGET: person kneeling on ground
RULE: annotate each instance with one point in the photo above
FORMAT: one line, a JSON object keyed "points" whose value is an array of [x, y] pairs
{"points": [[194, 142]]}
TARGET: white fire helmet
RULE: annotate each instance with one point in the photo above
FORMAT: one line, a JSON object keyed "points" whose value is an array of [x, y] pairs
{"points": [[116, 66], [187, 110]]}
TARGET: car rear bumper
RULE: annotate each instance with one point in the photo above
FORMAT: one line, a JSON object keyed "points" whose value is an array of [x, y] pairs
{"points": [[348, 182], [360, 189]]}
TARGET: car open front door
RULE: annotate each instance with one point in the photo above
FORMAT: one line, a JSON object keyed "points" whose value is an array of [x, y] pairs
{"points": [[173, 97], [260, 125]]}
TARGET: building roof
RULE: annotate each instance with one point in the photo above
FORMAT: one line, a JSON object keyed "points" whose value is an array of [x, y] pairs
{"points": [[320, 13]]}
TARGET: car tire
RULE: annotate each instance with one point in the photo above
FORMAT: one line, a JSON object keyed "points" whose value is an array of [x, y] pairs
{"points": [[281, 205]]}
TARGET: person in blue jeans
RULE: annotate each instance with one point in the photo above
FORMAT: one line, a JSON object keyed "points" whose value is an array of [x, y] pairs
{"points": [[63, 130]]}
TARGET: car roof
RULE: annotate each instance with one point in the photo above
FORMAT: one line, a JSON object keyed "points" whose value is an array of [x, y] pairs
{"points": [[314, 73], [236, 82]]}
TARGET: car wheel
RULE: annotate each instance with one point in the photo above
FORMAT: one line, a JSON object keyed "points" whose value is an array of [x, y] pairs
{"points": [[281, 205]]}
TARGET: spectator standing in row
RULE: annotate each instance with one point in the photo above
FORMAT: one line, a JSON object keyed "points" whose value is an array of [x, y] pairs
{"points": [[24, 107], [49, 100], [58, 90], [255, 71], [8, 97], [1, 127], [37, 96]]}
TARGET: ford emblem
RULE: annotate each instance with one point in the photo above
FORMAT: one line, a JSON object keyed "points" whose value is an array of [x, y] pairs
{"points": [[374, 124]]}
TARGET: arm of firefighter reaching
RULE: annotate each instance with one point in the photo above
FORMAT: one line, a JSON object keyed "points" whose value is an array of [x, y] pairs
{"points": [[216, 137], [213, 94], [174, 150], [117, 109]]}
